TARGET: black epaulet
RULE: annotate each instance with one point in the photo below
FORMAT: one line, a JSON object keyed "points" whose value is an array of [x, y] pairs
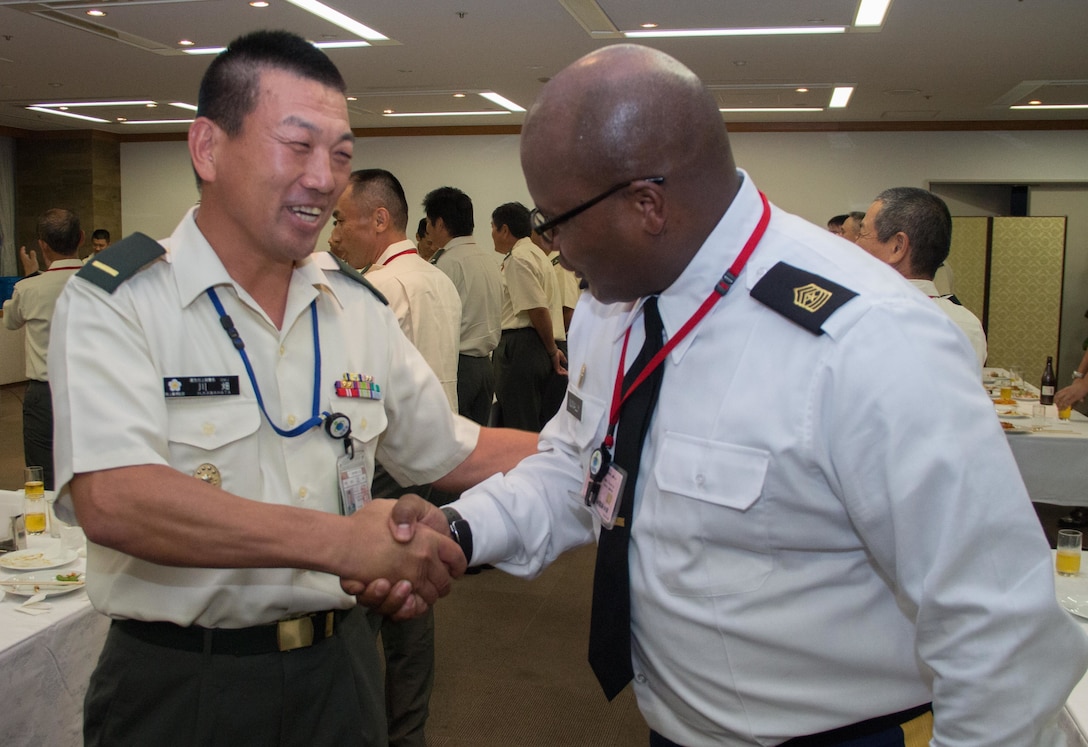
{"points": [[120, 261], [800, 296], [351, 272], [436, 255], [954, 300], [555, 260]]}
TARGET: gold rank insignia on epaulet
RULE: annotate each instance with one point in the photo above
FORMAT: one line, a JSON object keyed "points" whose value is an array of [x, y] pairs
{"points": [[800, 296], [120, 261], [351, 272]]}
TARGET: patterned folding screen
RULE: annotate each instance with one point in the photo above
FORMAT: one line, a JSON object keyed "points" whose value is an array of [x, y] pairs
{"points": [[970, 248], [1027, 256]]}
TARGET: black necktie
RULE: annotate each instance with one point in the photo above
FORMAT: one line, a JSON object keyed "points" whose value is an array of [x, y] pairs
{"points": [[610, 622]]}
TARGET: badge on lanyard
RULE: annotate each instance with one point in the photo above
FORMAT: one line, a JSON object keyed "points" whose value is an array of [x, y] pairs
{"points": [[354, 487], [605, 494]]}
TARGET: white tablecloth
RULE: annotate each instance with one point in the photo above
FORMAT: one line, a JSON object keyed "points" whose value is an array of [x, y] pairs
{"points": [[1053, 461], [45, 664]]}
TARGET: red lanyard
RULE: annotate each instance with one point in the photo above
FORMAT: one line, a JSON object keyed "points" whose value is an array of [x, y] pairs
{"points": [[61, 269], [722, 287], [399, 254]]}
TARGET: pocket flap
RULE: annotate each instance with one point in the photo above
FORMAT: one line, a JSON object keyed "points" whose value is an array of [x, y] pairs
{"points": [[210, 427], [711, 471]]}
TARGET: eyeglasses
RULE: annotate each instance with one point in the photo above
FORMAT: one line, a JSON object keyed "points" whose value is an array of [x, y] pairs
{"points": [[545, 227]]}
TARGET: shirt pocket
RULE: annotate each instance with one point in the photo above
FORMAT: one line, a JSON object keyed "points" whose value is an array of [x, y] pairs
{"points": [[710, 534], [219, 433]]}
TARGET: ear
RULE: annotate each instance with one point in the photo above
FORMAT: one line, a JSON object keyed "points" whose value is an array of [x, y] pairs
{"points": [[204, 137], [900, 248], [382, 221], [649, 199]]}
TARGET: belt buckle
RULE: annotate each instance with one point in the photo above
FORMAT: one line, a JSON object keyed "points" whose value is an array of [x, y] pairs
{"points": [[296, 633]]}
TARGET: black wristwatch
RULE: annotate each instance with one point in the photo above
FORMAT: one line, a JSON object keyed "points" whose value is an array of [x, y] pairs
{"points": [[460, 531]]}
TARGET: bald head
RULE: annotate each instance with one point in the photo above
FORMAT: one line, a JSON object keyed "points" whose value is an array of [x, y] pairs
{"points": [[624, 113]]}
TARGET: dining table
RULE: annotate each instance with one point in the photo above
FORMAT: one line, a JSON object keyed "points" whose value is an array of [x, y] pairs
{"points": [[47, 654], [1053, 454]]}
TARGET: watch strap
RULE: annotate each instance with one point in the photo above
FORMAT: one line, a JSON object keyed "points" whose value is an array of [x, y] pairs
{"points": [[460, 531]]}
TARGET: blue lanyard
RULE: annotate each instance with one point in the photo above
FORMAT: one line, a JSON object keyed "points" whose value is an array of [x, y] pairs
{"points": [[316, 418]]}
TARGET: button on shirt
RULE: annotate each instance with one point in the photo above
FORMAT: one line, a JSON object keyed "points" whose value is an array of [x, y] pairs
{"points": [[111, 353], [810, 547], [476, 276], [32, 305]]}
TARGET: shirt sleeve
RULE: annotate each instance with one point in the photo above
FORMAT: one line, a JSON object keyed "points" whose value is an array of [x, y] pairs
{"points": [[941, 507]]}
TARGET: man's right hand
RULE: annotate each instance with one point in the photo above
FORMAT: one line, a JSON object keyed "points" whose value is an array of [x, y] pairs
{"points": [[390, 545], [29, 261]]}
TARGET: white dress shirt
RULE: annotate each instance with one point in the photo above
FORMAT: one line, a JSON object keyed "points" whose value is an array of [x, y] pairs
{"points": [[426, 304], [114, 355], [811, 544], [961, 315], [528, 282]]}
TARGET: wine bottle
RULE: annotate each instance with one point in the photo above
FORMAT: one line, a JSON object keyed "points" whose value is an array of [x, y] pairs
{"points": [[1049, 383]]}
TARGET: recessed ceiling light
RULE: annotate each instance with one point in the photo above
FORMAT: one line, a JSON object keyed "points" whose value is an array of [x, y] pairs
{"points": [[96, 12], [768, 31], [1051, 106], [840, 97], [186, 43], [387, 111], [872, 12], [337, 18], [648, 25], [443, 114], [501, 101], [458, 95], [352, 98], [259, 4], [753, 109], [44, 110], [63, 108], [801, 90], [122, 119], [152, 105], [1035, 102]]}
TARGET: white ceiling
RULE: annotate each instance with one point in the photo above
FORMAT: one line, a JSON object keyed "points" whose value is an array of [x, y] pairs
{"points": [[933, 61]]}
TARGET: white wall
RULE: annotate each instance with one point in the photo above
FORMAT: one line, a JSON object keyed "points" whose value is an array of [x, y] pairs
{"points": [[815, 175]]}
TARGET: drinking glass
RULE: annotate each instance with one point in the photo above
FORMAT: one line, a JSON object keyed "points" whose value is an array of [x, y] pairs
{"points": [[34, 494], [1069, 545], [1038, 417], [1065, 413]]}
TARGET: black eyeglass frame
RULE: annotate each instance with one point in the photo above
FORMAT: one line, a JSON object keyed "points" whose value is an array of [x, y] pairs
{"points": [[545, 228]]}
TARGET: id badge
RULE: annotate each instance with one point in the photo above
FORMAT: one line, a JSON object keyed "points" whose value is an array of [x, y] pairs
{"points": [[354, 489], [606, 503]]}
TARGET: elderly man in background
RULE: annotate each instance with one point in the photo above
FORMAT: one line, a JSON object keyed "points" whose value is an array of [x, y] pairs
{"points": [[911, 230], [31, 306], [791, 547]]}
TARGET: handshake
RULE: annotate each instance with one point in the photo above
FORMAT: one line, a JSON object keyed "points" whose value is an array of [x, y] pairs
{"points": [[408, 556]]}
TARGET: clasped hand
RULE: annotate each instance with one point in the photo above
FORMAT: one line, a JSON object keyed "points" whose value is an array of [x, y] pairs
{"points": [[409, 561]]}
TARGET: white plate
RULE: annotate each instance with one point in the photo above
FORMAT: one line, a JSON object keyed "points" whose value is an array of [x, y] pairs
{"points": [[27, 583], [36, 560], [1012, 416], [1077, 605]]}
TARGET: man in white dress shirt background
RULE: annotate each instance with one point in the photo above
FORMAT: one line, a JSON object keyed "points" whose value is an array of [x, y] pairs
{"points": [[815, 556]]}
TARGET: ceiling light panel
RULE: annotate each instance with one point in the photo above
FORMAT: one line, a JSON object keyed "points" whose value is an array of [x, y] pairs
{"points": [[208, 23], [629, 15], [429, 105]]}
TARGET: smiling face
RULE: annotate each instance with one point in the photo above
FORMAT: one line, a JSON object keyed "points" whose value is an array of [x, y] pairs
{"points": [[269, 190]]}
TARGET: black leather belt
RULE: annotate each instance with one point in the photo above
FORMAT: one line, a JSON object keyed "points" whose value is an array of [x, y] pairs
{"points": [[861, 729], [285, 635]]}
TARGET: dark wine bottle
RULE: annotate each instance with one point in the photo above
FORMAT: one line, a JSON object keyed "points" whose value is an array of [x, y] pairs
{"points": [[1049, 383]]}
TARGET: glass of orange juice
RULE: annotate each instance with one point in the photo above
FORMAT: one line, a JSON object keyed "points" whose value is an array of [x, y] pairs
{"points": [[1064, 413], [1006, 393], [34, 494], [1069, 545]]}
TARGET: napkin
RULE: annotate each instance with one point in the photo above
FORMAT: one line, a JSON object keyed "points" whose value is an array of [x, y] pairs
{"points": [[35, 605]]}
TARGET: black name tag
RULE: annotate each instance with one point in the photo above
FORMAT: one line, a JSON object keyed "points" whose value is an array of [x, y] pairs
{"points": [[574, 405], [200, 386]]}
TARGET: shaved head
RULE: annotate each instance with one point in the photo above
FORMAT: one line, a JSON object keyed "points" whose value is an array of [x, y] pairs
{"points": [[622, 113]]}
